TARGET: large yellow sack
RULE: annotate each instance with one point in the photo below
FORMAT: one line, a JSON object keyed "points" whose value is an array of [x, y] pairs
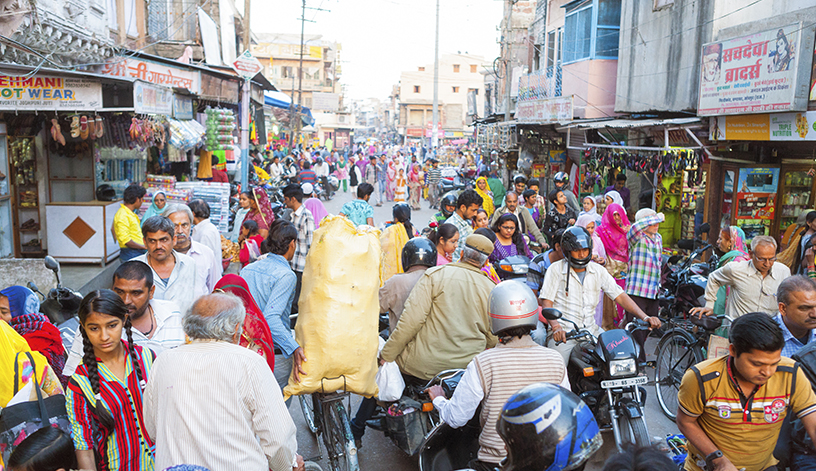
{"points": [[339, 310]]}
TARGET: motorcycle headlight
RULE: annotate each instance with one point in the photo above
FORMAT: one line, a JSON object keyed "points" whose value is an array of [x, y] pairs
{"points": [[626, 367]]}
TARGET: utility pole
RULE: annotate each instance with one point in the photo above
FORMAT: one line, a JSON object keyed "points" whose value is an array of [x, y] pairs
{"points": [[303, 21], [508, 71], [434, 133], [245, 86]]}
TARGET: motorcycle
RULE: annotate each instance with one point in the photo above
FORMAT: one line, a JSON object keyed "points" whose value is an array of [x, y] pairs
{"points": [[685, 279], [513, 267], [604, 372], [452, 180], [61, 305]]}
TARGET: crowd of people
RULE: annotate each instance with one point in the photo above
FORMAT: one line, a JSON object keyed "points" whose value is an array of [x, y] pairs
{"points": [[177, 345]]}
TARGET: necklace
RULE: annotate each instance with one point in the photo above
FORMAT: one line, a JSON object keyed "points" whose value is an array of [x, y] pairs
{"points": [[152, 322]]}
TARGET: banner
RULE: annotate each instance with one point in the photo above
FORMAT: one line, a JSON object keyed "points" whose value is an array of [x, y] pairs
{"points": [[151, 99], [42, 92], [756, 193], [545, 110], [752, 73], [152, 72], [767, 127]]}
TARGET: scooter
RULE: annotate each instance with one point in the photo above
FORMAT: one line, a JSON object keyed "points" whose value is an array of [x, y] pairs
{"points": [[61, 305], [513, 267]]}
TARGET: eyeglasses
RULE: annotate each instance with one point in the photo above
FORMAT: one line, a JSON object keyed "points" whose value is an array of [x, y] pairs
{"points": [[767, 260], [508, 228]]}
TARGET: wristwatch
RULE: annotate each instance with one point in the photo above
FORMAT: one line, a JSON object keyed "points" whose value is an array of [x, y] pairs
{"points": [[711, 457]]}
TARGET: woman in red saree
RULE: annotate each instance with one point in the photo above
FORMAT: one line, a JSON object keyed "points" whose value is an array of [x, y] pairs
{"points": [[256, 335]]}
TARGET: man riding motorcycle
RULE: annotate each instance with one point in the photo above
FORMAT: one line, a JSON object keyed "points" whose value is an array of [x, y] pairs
{"points": [[446, 208], [445, 322], [495, 374]]}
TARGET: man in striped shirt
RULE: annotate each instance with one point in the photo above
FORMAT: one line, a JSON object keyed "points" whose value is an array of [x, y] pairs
{"points": [[434, 176]]}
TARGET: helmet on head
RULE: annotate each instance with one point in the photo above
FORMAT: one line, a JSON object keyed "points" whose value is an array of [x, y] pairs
{"points": [[544, 426], [561, 177], [418, 251], [576, 238], [288, 161], [512, 304], [449, 199]]}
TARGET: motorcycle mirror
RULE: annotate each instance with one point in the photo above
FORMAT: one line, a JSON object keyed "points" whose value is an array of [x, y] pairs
{"points": [[686, 244], [551, 314], [703, 229], [51, 263]]}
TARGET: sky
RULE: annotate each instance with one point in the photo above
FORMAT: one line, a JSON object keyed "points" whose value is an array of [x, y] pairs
{"points": [[381, 38]]}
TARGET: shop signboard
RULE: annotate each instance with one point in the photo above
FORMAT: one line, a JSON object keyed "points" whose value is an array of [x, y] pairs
{"points": [[152, 99], [756, 193], [153, 72], [325, 101], [545, 110], [415, 132], [44, 92], [756, 73], [767, 127], [182, 107]]}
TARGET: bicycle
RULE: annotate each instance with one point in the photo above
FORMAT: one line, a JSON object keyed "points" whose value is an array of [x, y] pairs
{"points": [[681, 347], [327, 416]]}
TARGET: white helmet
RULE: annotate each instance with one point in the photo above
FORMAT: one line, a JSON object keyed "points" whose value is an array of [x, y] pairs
{"points": [[512, 304]]}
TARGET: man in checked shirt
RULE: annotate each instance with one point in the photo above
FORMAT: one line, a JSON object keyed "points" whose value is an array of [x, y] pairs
{"points": [[645, 262]]}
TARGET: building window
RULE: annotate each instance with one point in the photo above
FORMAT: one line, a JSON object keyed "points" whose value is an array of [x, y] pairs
{"points": [[473, 90], [661, 4], [455, 89], [416, 88], [286, 72], [473, 68], [588, 35], [456, 67], [421, 69]]}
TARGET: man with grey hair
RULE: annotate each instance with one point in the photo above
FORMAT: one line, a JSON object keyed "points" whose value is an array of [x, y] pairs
{"points": [[208, 266], [445, 321], [753, 282], [215, 404], [174, 274]]}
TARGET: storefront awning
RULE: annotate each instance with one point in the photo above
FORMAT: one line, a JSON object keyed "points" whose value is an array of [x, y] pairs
{"points": [[628, 123], [282, 100]]}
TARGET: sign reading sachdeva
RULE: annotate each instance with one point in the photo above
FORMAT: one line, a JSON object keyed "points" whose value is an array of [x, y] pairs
{"points": [[756, 73]]}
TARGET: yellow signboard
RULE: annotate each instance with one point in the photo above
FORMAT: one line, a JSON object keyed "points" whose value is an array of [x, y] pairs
{"points": [[747, 127]]}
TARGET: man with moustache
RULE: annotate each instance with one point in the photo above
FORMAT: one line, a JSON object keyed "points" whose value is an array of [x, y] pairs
{"points": [[208, 268], [156, 323]]}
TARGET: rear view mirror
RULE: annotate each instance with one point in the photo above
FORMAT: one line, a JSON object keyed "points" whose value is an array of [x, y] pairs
{"points": [[551, 314], [51, 263], [704, 228], [685, 244]]}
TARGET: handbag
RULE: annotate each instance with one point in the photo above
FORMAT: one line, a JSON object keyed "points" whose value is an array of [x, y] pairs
{"points": [[19, 421]]}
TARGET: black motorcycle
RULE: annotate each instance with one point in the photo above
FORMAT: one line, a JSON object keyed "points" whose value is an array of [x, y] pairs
{"points": [[685, 279], [512, 267], [605, 374], [61, 305]]}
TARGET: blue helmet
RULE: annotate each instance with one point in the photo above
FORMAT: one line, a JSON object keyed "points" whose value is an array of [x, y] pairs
{"points": [[547, 428]]}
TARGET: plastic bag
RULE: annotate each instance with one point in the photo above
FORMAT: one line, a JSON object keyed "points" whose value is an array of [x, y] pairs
{"points": [[339, 310], [389, 380]]}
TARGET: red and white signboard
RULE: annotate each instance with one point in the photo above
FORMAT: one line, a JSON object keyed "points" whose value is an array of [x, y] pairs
{"points": [[247, 65]]}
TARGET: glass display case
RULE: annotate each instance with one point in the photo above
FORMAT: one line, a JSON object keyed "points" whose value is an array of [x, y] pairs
{"points": [[6, 226], [795, 195]]}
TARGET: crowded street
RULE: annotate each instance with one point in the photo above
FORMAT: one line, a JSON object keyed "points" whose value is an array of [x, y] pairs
{"points": [[471, 235]]}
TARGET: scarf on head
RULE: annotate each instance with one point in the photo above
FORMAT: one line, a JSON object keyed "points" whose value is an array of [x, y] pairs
{"points": [[256, 336], [616, 197], [739, 251], [592, 211], [597, 244], [21, 300], [153, 210], [44, 337], [264, 206], [487, 200], [612, 235]]}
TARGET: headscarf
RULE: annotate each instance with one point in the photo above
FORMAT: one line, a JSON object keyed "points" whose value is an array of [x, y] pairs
{"points": [[612, 235], [593, 212], [256, 336], [153, 210], [597, 244], [739, 251], [21, 300], [487, 200], [264, 207], [616, 197], [315, 206]]}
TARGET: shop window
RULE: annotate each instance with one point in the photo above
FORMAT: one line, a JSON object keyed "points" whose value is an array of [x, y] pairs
{"points": [[416, 88], [456, 68], [591, 30], [421, 69], [473, 68], [475, 91], [455, 89]]}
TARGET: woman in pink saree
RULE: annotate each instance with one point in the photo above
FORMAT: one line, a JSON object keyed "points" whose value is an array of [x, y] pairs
{"points": [[414, 187], [391, 178], [613, 230]]}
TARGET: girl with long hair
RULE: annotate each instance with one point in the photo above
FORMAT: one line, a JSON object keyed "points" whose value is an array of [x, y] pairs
{"points": [[104, 396], [509, 240], [393, 238], [445, 237]]}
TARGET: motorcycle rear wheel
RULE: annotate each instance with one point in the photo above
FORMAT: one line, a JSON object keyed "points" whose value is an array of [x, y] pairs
{"points": [[633, 431], [676, 353]]}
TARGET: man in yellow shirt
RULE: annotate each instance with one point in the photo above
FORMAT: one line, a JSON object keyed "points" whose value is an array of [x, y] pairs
{"points": [[126, 224], [731, 408]]}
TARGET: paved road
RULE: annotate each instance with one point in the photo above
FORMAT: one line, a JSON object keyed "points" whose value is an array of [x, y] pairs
{"points": [[378, 453]]}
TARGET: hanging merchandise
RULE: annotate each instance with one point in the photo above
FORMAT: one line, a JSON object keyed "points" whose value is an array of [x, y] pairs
{"points": [[23, 161], [217, 197], [186, 135], [220, 129]]}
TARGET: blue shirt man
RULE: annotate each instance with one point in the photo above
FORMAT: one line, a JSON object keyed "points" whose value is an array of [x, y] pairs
{"points": [[797, 312]]}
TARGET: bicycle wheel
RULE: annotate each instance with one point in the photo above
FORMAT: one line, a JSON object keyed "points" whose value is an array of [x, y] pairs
{"points": [[676, 353], [307, 407], [338, 438]]}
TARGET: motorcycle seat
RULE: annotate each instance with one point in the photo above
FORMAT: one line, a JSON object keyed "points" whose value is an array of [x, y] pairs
{"points": [[707, 322]]}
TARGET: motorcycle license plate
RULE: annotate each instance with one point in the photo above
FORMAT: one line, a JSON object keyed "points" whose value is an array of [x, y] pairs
{"points": [[620, 383]]}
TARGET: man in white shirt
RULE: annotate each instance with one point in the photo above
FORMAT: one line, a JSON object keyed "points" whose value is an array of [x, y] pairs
{"points": [[208, 267], [753, 282], [321, 170], [174, 274], [204, 230], [210, 381], [156, 323], [573, 286]]}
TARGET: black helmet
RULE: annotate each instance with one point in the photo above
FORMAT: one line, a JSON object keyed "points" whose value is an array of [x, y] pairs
{"points": [[105, 192], [547, 427], [561, 177], [576, 238], [449, 199], [418, 251]]}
